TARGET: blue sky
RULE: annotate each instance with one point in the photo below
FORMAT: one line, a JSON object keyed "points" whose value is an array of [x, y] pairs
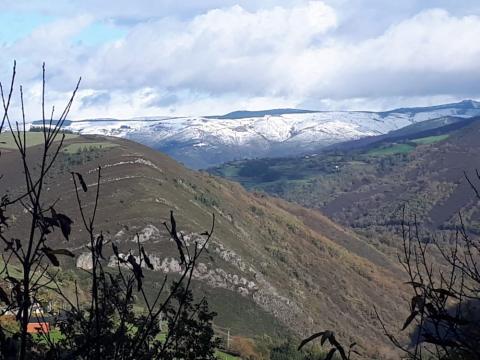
{"points": [[17, 25], [150, 57]]}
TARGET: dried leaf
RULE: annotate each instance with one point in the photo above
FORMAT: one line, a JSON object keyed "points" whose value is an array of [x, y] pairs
{"points": [[444, 292], [59, 220], [307, 340], [173, 234], [409, 319], [99, 246], [339, 347], [137, 270], [4, 297], [147, 260], [417, 303], [9, 245], [82, 182], [62, 252], [65, 224], [53, 259], [117, 253], [115, 250], [414, 284]]}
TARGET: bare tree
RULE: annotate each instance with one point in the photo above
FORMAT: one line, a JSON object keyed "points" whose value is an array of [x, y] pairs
{"points": [[445, 280], [107, 327]]}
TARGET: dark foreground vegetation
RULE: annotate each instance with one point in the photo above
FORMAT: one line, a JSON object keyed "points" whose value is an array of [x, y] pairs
{"points": [[106, 326], [119, 318]]}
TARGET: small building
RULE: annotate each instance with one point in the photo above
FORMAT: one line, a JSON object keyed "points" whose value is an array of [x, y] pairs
{"points": [[38, 327]]}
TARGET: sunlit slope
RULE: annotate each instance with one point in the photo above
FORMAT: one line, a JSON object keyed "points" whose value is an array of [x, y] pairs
{"points": [[271, 266]]}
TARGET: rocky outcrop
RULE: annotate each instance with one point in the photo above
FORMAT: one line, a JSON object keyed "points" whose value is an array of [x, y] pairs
{"points": [[149, 232], [247, 281], [84, 261]]}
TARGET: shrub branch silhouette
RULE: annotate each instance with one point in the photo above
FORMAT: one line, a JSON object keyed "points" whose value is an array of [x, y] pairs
{"points": [[445, 306], [444, 276], [107, 327]]}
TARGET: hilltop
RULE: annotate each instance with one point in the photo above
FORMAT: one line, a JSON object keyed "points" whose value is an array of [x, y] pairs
{"points": [[272, 267]]}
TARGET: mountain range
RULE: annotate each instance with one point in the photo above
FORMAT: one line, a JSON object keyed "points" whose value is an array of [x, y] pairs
{"points": [[368, 184], [205, 141]]}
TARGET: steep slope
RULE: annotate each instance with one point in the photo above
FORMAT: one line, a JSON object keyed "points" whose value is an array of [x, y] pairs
{"points": [[272, 266], [365, 184], [201, 142]]}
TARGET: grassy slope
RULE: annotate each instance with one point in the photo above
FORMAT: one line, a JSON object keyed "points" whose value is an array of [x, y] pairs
{"points": [[430, 139], [76, 147], [366, 188], [311, 274], [33, 138], [392, 150]]}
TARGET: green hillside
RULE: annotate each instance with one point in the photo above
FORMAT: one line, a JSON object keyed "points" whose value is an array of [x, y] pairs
{"points": [[366, 187], [272, 268]]}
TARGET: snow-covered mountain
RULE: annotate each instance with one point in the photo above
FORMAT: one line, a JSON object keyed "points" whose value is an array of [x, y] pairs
{"points": [[200, 142]]}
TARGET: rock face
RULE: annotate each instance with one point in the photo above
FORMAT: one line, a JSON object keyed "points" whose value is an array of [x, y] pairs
{"points": [[241, 277], [149, 232], [84, 261]]}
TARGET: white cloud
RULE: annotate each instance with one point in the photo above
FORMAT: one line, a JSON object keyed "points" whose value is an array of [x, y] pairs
{"points": [[246, 57], [432, 53], [220, 51]]}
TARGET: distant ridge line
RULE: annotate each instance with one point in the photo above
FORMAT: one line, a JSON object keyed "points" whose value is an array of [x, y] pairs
{"points": [[242, 114]]}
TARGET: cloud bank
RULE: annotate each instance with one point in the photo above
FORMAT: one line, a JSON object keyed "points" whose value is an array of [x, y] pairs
{"points": [[215, 58]]}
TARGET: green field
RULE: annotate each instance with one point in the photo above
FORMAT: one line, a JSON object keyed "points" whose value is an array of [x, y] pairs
{"points": [[392, 150], [75, 147], [430, 139], [54, 335], [33, 138], [405, 147]]}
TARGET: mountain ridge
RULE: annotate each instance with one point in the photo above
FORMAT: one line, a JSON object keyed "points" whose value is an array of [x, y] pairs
{"points": [[365, 184], [202, 142]]}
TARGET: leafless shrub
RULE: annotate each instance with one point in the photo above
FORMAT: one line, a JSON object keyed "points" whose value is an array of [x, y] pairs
{"points": [[445, 306], [107, 327]]}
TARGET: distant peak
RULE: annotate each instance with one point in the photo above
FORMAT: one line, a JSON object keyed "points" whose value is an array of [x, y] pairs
{"points": [[470, 103], [241, 114]]}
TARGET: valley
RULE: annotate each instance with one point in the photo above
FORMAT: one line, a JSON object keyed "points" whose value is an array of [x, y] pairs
{"points": [[366, 184]]}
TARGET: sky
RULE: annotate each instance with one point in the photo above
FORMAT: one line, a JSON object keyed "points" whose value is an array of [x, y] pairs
{"points": [[208, 57]]}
